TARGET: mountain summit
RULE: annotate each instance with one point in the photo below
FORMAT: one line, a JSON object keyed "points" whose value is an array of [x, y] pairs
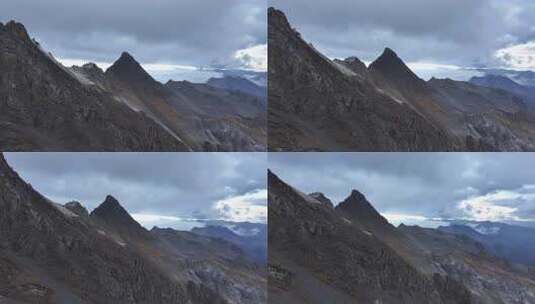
{"points": [[358, 208], [127, 68], [391, 66]]}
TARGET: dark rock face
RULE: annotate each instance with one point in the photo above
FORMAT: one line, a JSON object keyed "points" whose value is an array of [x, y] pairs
{"points": [[312, 245], [49, 254], [353, 255], [315, 104], [323, 105], [47, 107]]}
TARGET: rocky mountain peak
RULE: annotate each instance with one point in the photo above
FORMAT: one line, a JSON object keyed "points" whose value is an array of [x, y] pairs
{"points": [[111, 209], [358, 207], [276, 18], [128, 69], [354, 64], [390, 64], [92, 67], [77, 208], [17, 29], [320, 197]]}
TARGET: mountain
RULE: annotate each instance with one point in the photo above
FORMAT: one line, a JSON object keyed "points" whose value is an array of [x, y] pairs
{"points": [[240, 84], [506, 84], [254, 245], [351, 254], [48, 107], [318, 256], [524, 78], [319, 104], [45, 108], [50, 253], [510, 242]]}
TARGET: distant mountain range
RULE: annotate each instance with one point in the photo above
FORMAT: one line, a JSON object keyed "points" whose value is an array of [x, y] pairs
{"points": [[48, 107], [319, 253], [513, 243], [319, 104], [254, 244], [53, 253]]}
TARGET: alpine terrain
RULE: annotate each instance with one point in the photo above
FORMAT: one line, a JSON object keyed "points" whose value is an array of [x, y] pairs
{"points": [[319, 104], [53, 253], [349, 253], [45, 106]]}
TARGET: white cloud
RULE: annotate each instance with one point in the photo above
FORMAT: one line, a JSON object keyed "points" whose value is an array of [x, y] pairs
{"points": [[411, 219], [520, 56], [254, 58], [249, 207], [500, 205], [163, 221]]}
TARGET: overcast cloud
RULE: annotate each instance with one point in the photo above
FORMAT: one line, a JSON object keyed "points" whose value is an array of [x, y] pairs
{"points": [[197, 33], [418, 187], [460, 33], [164, 189]]}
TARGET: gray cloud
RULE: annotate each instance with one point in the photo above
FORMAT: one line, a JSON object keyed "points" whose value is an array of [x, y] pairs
{"points": [[425, 184], [185, 32], [456, 32], [180, 185]]}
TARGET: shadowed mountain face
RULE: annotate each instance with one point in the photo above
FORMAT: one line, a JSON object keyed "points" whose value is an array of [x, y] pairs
{"points": [[48, 107], [52, 253], [341, 105], [351, 254], [45, 108]]}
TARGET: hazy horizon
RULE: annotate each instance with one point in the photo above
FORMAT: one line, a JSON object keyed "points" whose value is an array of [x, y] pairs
{"points": [[178, 46], [451, 40], [427, 189], [158, 189]]}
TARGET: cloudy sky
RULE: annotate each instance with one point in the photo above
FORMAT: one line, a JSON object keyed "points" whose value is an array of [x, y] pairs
{"points": [[421, 188], [164, 189], [434, 37], [170, 38]]}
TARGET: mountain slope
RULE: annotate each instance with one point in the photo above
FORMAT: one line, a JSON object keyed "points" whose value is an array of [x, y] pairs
{"points": [[509, 242], [240, 84], [318, 256], [341, 105], [506, 84], [254, 245], [317, 104], [45, 107], [490, 279], [351, 254], [48, 107], [204, 118], [50, 254]]}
